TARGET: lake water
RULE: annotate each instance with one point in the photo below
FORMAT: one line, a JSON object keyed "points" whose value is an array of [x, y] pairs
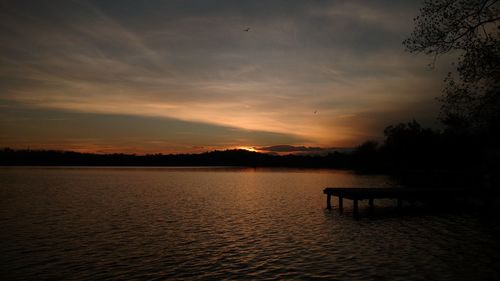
{"points": [[206, 223]]}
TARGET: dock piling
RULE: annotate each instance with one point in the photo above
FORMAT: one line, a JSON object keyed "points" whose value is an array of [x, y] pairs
{"points": [[355, 207], [371, 193]]}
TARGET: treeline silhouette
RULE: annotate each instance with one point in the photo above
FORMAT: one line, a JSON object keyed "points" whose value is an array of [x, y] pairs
{"points": [[237, 157], [423, 156], [413, 154], [407, 146]]}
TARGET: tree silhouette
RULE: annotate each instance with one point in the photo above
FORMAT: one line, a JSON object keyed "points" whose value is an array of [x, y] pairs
{"points": [[411, 145], [471, 28]]}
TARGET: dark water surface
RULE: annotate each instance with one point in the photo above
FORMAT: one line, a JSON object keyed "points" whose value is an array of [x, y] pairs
{"points": [[200, 223]]}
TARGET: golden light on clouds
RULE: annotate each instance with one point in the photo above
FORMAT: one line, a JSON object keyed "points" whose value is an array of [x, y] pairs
{"points": [[247, 148], [319, 74]]}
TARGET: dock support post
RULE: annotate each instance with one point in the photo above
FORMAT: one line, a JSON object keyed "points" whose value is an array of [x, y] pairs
{"points": [[355, 208], [328, 201], [370, 202], [341, 204]]}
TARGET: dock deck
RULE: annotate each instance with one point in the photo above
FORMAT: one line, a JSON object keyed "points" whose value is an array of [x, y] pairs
{"points": [[399, 193]]}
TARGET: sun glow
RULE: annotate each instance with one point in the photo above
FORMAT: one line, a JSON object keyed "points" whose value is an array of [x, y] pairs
{"points": [[248, 148]]}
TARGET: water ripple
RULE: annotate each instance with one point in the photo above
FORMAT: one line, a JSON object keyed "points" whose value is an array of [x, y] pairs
{"points": [[87, 224]]}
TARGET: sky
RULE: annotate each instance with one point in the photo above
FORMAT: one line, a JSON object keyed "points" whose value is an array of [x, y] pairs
{"points": [[192, 76]]}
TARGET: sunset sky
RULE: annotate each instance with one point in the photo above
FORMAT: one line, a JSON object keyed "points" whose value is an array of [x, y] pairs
{"points": [[185, 76]]}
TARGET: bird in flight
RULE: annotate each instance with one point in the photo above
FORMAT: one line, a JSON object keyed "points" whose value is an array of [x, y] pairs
{"points": [[247, 29]]}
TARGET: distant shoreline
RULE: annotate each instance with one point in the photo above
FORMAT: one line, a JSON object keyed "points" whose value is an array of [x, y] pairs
{"points": [[226, 158], [408, 173]]}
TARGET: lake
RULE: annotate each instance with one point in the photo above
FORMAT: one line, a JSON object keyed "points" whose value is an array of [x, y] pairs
{"points": [[225, 223]]}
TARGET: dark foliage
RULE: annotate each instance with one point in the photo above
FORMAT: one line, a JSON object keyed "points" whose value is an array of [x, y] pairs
{"points": [[417, 156], [470, 28], [214, 158], [470, 104]]}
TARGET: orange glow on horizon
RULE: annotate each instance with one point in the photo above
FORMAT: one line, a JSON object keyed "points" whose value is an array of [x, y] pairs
{"points": [[248, 148]]}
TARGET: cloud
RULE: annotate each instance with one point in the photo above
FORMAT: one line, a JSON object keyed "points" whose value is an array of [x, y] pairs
{"points": [[302, 150], [287, 148], [22, 126], [190, 61]]}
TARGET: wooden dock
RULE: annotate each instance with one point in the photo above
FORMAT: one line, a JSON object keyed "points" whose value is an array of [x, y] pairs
{"points": [[399, 193]]}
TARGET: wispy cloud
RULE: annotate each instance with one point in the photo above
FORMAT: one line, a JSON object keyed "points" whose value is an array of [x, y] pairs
{"points": [[300, 70], [302, 150]]}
